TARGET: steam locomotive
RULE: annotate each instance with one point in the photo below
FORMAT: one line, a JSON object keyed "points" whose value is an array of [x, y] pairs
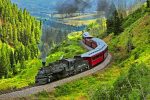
{"points": [[68, 67]]}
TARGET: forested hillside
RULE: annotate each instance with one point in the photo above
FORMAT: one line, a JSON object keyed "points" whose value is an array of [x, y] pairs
{"points": [[19, 35], [131, 54]]}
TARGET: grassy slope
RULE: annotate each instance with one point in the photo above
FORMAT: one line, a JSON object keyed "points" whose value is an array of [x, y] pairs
{"points": [[134, 65], [84, 88], [26, 77]]}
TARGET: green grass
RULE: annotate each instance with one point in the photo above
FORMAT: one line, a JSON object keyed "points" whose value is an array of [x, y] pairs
{"points": [[84, 87], [134, 65], [24, 78]]}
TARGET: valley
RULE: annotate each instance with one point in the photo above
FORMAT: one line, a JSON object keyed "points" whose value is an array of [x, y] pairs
{"points": [[34, 30]]}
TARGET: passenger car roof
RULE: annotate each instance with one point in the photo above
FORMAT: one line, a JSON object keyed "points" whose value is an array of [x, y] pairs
{"points": [[101, 46], [86, 35]]}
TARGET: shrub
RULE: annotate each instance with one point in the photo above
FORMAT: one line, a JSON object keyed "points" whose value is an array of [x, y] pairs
{"points": [[133, 86]]}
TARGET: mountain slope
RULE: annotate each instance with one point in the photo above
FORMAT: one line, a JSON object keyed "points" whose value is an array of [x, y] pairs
{"points": [[19, 35], [131, 50], [128, 75]]}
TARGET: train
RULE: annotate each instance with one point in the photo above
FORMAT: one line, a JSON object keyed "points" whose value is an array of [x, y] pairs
{"points": [[72, 66]]}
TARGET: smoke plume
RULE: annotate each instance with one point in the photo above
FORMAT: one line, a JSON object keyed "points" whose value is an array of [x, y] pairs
{"points": [[44, 45], [72, 6]]}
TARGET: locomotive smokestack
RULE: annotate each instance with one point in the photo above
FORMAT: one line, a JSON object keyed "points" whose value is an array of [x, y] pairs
{"points": [[44, 50], [43, 61], [44, 54]]}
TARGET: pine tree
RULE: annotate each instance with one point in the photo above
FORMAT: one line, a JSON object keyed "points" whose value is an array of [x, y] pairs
{"points": [[110, 24], [3, 62], [12, 62], [19, 30], [148, 3], [22, 63], [3, 71], [114, 24], [117, 23], [16, 56], [15, 37], [27, 53], [110, 10]]}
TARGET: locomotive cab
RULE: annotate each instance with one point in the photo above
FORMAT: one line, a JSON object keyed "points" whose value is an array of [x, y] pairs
{"points": [[70, 65]]}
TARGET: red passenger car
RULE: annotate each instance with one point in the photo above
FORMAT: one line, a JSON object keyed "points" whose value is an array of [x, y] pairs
{"points": [[99, 52], [95, 59]]}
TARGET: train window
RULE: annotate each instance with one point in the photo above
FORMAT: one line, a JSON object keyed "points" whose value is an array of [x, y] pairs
{"points": [[101, 54], [96, 57]]}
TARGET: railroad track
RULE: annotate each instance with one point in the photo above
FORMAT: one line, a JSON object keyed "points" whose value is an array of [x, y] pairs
{"points": [[50, 87]]}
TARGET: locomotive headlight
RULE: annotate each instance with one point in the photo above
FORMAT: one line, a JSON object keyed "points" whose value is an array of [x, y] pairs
{"points": [[41, 72]]}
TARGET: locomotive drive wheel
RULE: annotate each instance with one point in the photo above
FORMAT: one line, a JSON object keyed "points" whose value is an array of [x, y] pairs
{"points": [[88, 67], [81, 70], [75, 72], [48, 79], [41, 81]]}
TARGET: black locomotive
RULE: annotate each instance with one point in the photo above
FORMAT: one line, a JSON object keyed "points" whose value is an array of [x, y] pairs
{"points": [[60, 69], [68, 67]]}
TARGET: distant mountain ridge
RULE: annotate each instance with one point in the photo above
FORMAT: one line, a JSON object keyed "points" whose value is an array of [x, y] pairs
{"points": [[39, 5]]}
